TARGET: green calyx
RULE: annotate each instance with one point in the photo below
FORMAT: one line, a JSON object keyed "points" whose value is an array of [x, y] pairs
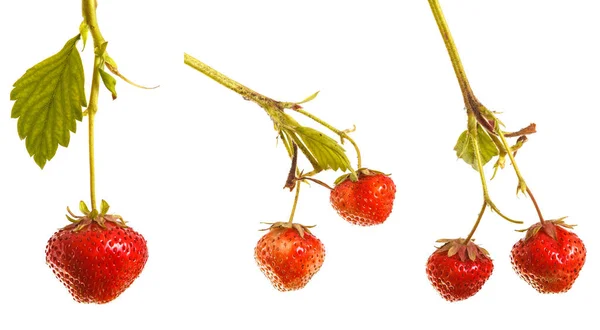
{"points": [[99, 217]]}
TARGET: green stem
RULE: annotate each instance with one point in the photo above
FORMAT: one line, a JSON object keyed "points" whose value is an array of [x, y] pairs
{"points": [[473, 134], [222, 79], [89, 15], [479, 217], [459, 70], [298, 183], [341, 134], [486, 196], [91, 115]]}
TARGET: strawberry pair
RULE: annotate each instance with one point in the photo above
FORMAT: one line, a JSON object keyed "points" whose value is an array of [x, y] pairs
{"points": [[289, 254], [549, 258]]}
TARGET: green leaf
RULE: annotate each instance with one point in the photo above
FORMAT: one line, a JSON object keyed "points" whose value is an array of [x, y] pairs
{"points": [[83, 31], [49, 98], [109, 82], [465, 149], [328, 153]]}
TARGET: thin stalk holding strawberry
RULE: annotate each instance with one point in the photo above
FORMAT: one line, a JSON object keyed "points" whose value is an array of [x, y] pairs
{"points": [[483, 140], [293, 212], [54, 90], [89, 14]]}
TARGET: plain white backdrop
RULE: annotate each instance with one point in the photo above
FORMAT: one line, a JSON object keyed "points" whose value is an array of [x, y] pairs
{"points": [[195, 168]]}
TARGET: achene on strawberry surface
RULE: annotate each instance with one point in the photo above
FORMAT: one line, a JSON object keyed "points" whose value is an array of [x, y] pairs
{"points": [[96, 264], [289, 255], [367, 201], [457, 270], [549, 257]]}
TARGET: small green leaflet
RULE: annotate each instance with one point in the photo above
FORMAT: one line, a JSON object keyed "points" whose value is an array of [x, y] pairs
{"points": [[465, 150], [49, 98], [328, 153], [83, 31], [109, 82]]}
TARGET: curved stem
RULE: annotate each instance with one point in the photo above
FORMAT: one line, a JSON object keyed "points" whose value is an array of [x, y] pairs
{"points": [[295, 202], [502, 215], [459, 70], [89, 15], [537, 208], [319, 182], [473, 133], [486, 196], [341, 134], [479, 217]]}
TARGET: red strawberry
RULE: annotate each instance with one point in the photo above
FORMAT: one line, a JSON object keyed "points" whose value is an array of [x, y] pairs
{"points": [[458, 271], [96, 264], [366, 202], [550, 257], [289, 255]]}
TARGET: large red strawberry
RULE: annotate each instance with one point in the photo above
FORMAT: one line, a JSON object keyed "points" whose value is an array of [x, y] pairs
{"points": [[550, 257], [367, 201], [458, 271], [96, 259], [289, 255]]}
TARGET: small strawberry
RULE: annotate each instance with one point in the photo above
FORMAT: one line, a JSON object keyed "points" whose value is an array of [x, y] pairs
{"points": [[458, 271], [96, 259], [550, 257], [365, 202], [289, 255]]}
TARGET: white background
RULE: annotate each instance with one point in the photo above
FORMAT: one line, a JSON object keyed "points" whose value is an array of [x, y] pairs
{"points": [[195, 168]]}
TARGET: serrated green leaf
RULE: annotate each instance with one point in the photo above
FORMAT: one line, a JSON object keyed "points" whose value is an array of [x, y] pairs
{"points": [[328, 153], [83, 31], [305, 151], [109, 82], [465, 149], [49, 98]]}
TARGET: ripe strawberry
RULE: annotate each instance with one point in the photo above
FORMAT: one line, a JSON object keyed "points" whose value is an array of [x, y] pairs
{"points": [[458, 271], [289, 255], [366, 202], [96, 264], [550, 257]]}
